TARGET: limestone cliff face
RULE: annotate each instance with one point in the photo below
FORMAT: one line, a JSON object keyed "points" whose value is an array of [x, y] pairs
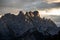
{"points": [[24, 25]]}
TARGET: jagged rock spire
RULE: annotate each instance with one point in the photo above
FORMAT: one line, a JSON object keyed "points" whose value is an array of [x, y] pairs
{"points": [[36, 13]]}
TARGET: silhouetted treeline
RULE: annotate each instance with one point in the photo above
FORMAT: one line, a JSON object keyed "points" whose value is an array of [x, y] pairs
{"points": [[27, 26]]}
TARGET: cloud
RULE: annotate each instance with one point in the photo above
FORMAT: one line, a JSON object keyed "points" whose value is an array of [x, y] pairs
{"points": [[49, 6], [29, 4], [52, 1], [42, 5]]}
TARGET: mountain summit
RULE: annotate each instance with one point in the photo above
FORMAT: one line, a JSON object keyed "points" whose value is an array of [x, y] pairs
{"points": [[28, 26]]}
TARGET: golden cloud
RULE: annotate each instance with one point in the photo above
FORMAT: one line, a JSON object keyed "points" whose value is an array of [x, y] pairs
{"points": [[52, 1]]}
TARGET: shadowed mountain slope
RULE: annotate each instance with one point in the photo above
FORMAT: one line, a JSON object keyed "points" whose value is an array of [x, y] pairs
{"points": [[28, 26]]}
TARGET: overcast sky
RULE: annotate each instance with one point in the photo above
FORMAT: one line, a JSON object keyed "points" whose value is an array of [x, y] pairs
{"points": [[6, 5], [30, 3]]}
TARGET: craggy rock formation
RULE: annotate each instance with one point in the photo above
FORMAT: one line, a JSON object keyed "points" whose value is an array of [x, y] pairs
{"points": [[28, 26]]}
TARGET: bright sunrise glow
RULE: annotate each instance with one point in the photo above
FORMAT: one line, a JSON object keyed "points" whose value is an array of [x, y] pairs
{"points": [[42, 13], [53, 12], [50, 12]]}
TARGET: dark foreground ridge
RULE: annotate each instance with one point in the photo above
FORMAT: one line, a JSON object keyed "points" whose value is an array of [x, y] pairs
{"points": [[28, 26]]}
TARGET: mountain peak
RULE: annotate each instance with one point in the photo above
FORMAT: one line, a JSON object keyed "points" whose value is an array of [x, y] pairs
{"points": [[19, 24]]}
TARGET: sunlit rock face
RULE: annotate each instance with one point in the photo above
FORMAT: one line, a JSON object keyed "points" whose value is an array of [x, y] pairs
{"points": [[26, 26]]}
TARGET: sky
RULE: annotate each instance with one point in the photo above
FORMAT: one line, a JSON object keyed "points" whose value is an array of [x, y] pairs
{"points": [[29, 4], [41, 4], [45, 7]]}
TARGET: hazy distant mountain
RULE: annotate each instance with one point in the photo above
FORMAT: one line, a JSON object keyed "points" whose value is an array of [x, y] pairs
{"points": [[29, 26], [55, 18]]}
